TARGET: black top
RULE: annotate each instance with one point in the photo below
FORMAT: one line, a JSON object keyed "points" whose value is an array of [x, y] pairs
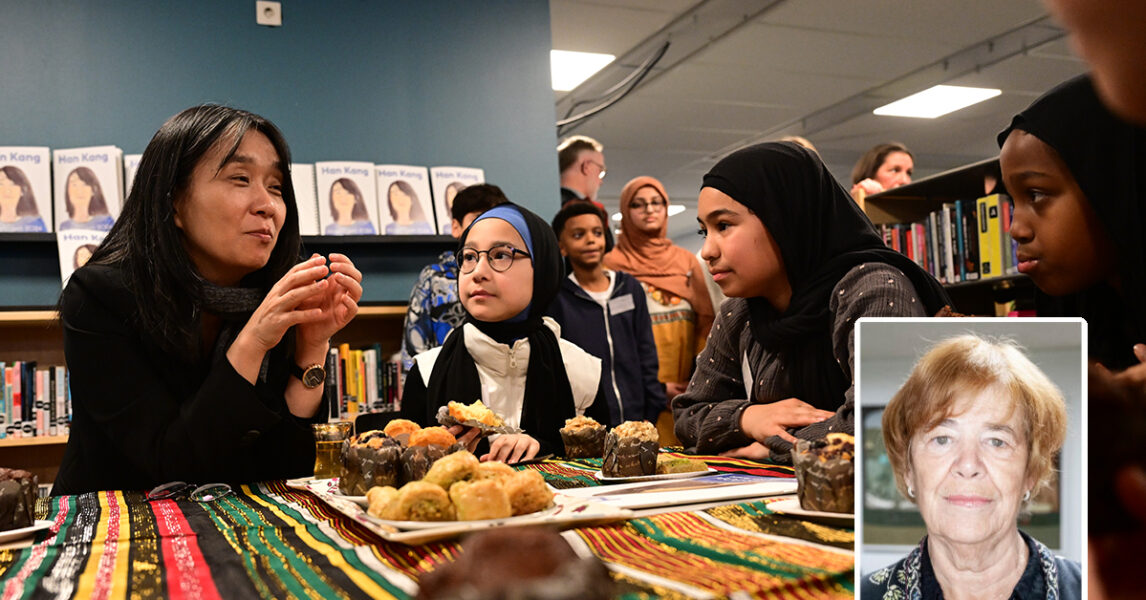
{"points": [[141, 417]]}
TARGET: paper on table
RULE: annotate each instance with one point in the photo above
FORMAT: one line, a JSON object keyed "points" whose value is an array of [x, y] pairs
{"points": [[726, 486]]}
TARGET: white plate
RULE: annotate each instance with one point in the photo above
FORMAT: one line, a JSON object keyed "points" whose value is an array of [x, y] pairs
{"points": [[15, 534], [418, 525], [359, 500], [602, 477], [791, 506]]}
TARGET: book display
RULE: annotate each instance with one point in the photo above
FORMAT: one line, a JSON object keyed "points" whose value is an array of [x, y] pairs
{"points": [[88, 187], [306, 198], [25, 189], [346, 198], [955, 225], [404, 203], [447, 182]]}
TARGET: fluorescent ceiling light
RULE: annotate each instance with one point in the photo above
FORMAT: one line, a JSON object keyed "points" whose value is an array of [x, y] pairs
{"points": [[936, 101], [569, 69]]}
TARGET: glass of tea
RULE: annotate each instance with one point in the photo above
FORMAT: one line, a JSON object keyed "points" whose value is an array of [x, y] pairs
{"points": [[328, 439]]}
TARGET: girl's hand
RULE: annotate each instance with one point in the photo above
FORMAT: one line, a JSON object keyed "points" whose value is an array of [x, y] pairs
{"points": [[337, 303], [762, 421], [512, 447], [674, 389], [468, 437], [755, 451]]}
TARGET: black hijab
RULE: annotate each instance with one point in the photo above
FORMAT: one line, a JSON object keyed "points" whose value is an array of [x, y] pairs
{"points": [[548, 395], [1107, 157], [822, 234]]}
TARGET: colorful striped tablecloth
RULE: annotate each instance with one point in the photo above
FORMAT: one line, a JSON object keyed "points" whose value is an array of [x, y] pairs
{"points": [[271, 541]]}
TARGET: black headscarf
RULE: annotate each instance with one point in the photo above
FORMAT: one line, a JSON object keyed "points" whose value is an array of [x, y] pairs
{"points": [[548, 395], [1108, 160], [822, 234]]}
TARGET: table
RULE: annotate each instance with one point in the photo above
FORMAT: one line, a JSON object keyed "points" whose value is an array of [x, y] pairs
{"points": [[271, 541]]}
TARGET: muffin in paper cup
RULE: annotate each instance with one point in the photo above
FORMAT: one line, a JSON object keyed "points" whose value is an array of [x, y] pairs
{"points": [[584, 437], [825, 473], [368, 460], [631, 450], [456, 413]]}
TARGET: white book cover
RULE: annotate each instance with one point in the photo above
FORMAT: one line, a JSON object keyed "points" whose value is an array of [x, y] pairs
{"points": [[305, 196], [89, 187], [347, 203], [447, 182], [76, 247], [405, 206], [25, 189], [130, 166]]}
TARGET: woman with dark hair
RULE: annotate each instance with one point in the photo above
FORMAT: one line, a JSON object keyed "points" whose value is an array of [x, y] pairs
{"points": [[348, 208], [405, 210], [882, 168], [800, 264], [83, 197], [18, 211], [193, 336]]}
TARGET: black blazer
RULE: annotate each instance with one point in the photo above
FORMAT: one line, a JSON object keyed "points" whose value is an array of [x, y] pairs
{"points": [[142, 417]]}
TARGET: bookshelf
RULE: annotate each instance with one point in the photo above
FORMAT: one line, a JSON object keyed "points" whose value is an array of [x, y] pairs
{"points": [[914, 201]]}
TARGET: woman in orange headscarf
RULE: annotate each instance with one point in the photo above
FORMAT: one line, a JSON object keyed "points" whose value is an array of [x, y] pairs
{"points": [[674, 284]]}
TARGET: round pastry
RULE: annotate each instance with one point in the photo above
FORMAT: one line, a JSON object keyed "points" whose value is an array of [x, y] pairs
{"points": [[475, 500], [584, 437], [452, 468], [432, 436], [631, 450], [378, 498], [419, 501], [492, 470], [370, 459], [527, 492], [825, 473], [518, 562], [401, 427], [477, 412]]}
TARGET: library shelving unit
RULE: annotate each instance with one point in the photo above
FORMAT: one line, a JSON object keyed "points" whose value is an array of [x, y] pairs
{"points": [[35, 334], [913, 202]]}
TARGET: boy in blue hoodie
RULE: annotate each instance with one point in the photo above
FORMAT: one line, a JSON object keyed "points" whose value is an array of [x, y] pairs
{"points": [[604, 312]]}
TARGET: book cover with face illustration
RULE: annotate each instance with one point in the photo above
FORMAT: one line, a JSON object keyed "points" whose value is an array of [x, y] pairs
{"points": [[347, 201], [447, 182], [88, 187], [25, 189], [405, 206]]}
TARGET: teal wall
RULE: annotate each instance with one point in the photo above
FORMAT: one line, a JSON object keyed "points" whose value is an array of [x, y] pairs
{"points": [[432, 82]]}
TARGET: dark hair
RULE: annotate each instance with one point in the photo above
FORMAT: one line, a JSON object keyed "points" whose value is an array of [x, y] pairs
{"points": [[359, 212], [98, 205], [91, 248], [576, 209], [868, 164], [570, 150], [26, 206], [416, 213], [476, 198], [148, 246]]}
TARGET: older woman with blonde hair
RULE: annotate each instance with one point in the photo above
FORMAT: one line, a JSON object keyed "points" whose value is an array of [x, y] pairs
{"points": [[972, 436]]}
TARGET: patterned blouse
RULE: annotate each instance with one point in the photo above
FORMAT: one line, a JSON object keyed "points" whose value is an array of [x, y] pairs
{"points": [[1046, 577], [435, 309]]}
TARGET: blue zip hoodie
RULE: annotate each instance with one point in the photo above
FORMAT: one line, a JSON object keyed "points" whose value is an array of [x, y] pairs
{"points": [[622, 337]]}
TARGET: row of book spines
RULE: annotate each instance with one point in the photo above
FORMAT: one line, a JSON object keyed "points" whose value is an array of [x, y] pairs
{"points": [[36, 401], [961, 241], [361, 381]]}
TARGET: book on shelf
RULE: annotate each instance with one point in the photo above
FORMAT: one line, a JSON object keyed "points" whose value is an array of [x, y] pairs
{"points": [[959, 241], [446, 183], [75, 247], [347, 201], [25, 189], [130, 167], [88, 187], [405, 206], [306, 198], [34, 401], [361, 381]]}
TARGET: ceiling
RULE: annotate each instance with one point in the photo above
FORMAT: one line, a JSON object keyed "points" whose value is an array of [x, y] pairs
{"points": [[744, 71]]}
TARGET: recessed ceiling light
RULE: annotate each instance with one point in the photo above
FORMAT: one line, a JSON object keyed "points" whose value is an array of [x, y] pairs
{"points": [[936, 101], [569, 69]]}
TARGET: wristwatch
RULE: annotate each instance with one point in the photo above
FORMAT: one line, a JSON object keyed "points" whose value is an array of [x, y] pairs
{"points": [[311, 376]]}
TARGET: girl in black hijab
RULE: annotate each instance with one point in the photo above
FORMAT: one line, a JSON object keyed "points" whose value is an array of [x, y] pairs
{"points": [[803, 263], [506, 353], [1077, 175]]}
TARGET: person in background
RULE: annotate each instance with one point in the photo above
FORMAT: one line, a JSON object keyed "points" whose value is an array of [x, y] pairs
{"points": [[507, 353], [882, 168], [1108, 34], [971, 437], [1077, 175], [801, 140], [581, 162], [604, 312], [194, 337], [434, 310], [801, 263], [677, 297]]}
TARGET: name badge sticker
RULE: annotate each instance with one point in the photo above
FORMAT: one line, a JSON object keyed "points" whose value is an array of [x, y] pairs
{"points": [[621, 304]]}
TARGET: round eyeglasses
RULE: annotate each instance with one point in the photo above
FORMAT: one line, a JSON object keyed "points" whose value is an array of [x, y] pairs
{"points": [[653, 207], [500, 258], [176, 490]]}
